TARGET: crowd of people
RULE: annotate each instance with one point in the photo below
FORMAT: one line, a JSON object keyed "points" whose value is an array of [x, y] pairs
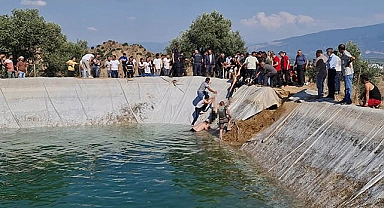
{"points": [[11, 69], [255, 68]]}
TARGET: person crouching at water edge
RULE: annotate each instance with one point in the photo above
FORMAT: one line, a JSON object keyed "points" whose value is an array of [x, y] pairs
{"points": [[201, 107], [224, 118], [371, 96]]}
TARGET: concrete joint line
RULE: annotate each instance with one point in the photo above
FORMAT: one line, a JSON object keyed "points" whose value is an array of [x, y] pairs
{"points": [[81, 103], [10, 110], [305, 141], [328, 124], [367, 186], [126, 99], [53, 106]]}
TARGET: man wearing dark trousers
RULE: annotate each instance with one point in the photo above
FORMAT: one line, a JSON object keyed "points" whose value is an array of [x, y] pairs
{"points": [[331, 65], [302, 64], [209, 63]]}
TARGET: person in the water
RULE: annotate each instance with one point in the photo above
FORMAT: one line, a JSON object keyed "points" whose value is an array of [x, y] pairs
{"points": [[201, 126]]}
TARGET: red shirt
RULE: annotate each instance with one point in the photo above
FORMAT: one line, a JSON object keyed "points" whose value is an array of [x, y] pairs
{"points": [[285, 62], [277, 60]]}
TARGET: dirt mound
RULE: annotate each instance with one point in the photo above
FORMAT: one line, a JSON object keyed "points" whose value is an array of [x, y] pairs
{"points": [[242, 131]]}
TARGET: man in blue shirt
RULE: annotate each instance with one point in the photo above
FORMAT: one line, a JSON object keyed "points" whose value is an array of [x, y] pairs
{"points": [[331, 65], [123, 60], [301, 63], [347, 70], [197, 62]]}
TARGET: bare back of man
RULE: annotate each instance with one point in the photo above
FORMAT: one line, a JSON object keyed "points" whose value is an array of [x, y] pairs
{"points": [[201, 126]]}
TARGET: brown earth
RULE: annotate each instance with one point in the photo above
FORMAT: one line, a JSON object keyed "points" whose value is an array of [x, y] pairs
{"points": [[242, 131]]}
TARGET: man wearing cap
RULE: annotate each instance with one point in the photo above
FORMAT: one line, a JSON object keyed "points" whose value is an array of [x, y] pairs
{"points": [[331, 65], [347, 70]]}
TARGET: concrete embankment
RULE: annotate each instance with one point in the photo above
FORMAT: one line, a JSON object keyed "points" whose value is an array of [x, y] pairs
{"points": [[329, 155], [46, 102]]}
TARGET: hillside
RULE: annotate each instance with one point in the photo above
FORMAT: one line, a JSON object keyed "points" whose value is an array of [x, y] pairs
{"points": [[370, 39], [114, 48]]}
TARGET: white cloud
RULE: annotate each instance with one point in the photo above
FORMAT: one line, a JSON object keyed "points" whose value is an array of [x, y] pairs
{"points": [[33, 3], [131, 18], [93, 29], [276, 21]]}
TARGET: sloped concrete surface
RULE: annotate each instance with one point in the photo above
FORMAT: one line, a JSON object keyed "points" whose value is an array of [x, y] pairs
{"points": [[330, 155], [46, 102]]}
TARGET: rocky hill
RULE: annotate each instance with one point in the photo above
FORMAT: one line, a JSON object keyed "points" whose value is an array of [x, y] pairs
{"points": [[111, 47]]}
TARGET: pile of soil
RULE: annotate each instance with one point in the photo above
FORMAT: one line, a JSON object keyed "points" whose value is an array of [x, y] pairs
{"points": [[242, 131]]}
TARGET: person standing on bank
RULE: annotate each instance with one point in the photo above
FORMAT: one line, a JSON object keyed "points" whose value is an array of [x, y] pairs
{"points": [[123, 60], [197, 62], [302, 64], [331, 65], [175, 71], [209, 63], [201, 92], [321, 69], [338, 74], [10, 67], [71, 66], [21, 67], [347, 70], [372, 96], [86, 61]]}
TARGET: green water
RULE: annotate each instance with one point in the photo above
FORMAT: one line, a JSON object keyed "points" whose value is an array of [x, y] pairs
{"points": [[128, 166]]}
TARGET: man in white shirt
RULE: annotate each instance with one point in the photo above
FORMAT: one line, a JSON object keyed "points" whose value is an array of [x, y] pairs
{"points": [[86, 61], [115, 67], [167, 65], [347, 70], [338, 74], [157, 64], [251, 64]]}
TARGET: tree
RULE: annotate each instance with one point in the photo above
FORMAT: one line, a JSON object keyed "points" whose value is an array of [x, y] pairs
{"points": [[209, 31], [26, 33]]}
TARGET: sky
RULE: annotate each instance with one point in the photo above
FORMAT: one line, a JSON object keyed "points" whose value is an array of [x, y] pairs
{"points": [[137, 21]]}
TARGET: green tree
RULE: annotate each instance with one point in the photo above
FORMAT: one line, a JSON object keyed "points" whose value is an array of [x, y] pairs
{"points": [[209, 31], [26, 33]]}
